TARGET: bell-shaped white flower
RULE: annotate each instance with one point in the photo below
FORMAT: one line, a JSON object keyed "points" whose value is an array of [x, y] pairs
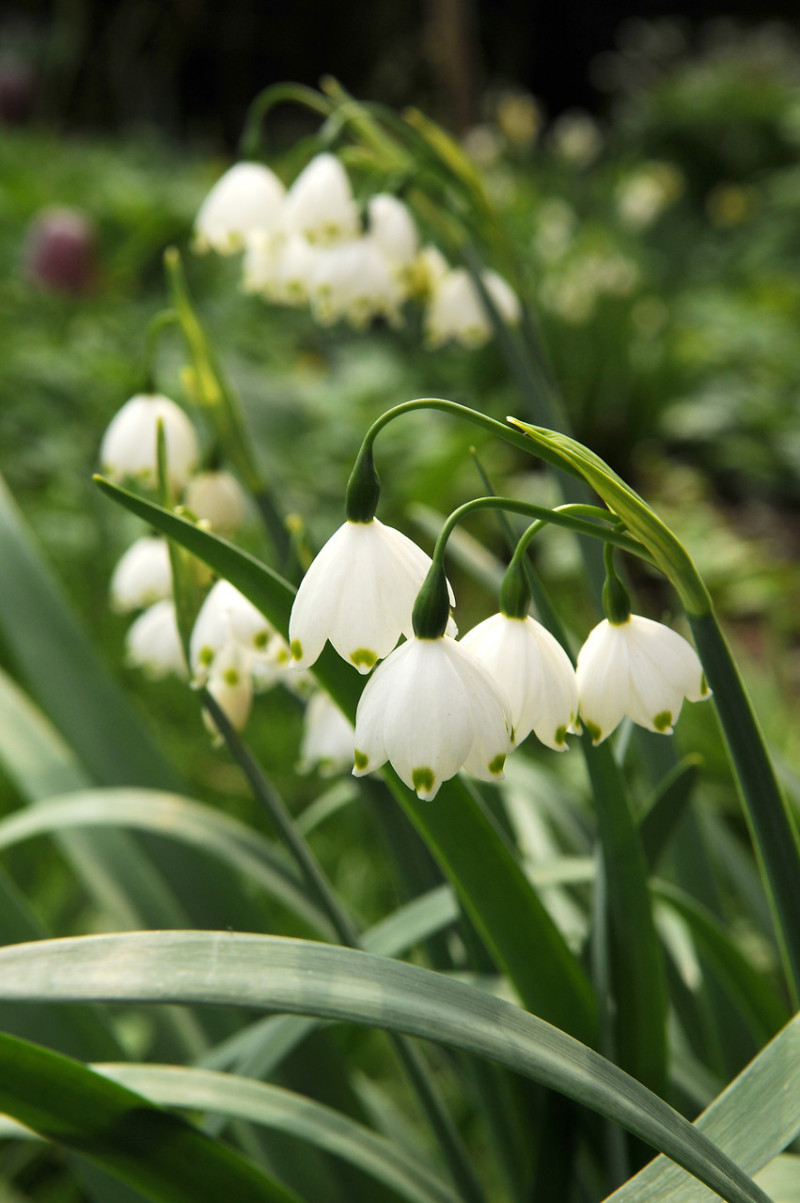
{"points": [[391, 225], [226, 616], [129, 446], [282, 272], [639, 669], [231, 686], [143, 576], [456, 310], [153, 643], [431, 709], [534, 672], [354, 281], [319, 205], [247, 199], [430, 269], [328, 740], [217, 497], [358, 593]]}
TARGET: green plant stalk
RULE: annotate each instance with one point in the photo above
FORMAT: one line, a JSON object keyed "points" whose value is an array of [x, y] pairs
{"points": [[771, 823], [217, 397], [250, 144], [453, 1150]]}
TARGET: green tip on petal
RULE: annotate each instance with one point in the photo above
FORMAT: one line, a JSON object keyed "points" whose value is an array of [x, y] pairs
{"points": [[261, 640], [561, 735], [206, 656], [296, 649], [704, 690], [363, 657], [422, 780], [231, 677], [593, 731], [496, 765], [663, 721], [360, 759]]}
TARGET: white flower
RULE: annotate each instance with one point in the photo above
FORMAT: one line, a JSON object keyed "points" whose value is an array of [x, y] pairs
{"points": [[319, 205], [219, 498], [231, 686], [153, 643], [354, 281], [129, 446], [430, 709], [142, 576], [281, 272], [430, 269], [227, 616], [637, 668], [457, 312], [391, 225], [247, 199], [358, 593], [328, 741], [534, 672]]}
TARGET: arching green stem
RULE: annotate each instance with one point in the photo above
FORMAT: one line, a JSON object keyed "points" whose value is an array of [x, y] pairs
{"points": [[155, 328], [250, 142]]}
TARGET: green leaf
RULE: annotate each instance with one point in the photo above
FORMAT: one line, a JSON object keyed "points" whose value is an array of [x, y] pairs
{"points": [[488, 879], [753, 1120], [56, 659], [667, 806], [346, 985], [156, 1152], [284, 1110], [173, 817]]}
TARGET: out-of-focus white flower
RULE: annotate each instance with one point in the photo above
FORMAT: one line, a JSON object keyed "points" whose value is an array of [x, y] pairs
{"points": [[483, 144], [260, 262], [637, 668], [226, 615], [643, 197], [354, 281], [359, 593], [129, 446], [142, 576], [390, 224], [556, 222], [231, 686], [217, 497], [246, 200], [576, 137], [457, 312], [534, 672], [328, 740], [283, 272], [430, 709], [153, 643], [319, 205]]}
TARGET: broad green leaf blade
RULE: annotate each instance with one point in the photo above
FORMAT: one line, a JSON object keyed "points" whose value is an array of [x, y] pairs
{"points": [[753, 1120], [277, 1109], [781, 1179], [346, 985], [667, 807], [319, 1125], [175, 817], [156, 1152], [488, 879], [56, 658]]}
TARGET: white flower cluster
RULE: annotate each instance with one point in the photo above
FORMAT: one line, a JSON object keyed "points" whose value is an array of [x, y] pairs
{"points": [[234, 651], [434, 706], [307, 246]]}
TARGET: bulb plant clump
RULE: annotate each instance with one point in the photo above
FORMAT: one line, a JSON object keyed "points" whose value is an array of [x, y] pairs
{"points": [[537, 911]]}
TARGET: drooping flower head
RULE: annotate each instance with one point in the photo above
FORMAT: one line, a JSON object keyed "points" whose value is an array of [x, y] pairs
{"points": [[535, 673], [129, 446], [245, 201], [319, 205], [142, 576], [327, 743], [640, 669], [431, 709], [456, 310], [217, 497], [226, 615], [153, 643], [359, 593]]}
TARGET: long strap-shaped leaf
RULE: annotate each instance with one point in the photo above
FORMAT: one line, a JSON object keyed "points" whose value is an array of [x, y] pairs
{"points": [[754, 1118], [156, 1152], [282, 1110], [342, 984], [491, 884]]}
